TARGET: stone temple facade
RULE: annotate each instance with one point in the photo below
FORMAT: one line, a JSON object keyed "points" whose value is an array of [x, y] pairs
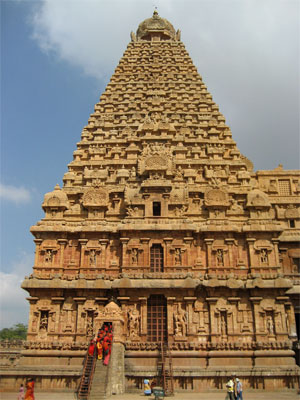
{"points": [[160, 211]]}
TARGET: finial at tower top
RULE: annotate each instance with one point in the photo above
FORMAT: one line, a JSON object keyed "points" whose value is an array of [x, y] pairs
{"points": [[156, 29]]}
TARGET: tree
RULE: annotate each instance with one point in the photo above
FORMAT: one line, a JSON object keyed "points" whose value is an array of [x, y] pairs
{"points": [[18, 331]]}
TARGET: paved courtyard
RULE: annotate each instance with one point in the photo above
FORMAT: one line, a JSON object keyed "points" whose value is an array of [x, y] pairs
{"points": [[248, 395]]}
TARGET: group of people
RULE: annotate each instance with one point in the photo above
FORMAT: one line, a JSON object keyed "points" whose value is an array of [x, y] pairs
{"points": [[234, 389], [29, 394], [102, 343]]}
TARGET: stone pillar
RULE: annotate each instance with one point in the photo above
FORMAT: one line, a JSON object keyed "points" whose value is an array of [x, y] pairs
{"points": [[80, 322], [104, 260], [257, 328], [276, 253], [290, 320], [83, 243], [143, 308], [189, 307], [62, 243], [188, 242], [37, 251], [213, 325], [230, 243], [251, 251], [170, 315], [168, 257], [125, 261], [145, 244], [208, 243]]}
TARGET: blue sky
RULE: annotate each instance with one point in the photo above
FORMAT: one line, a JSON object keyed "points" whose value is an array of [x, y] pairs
{"points": [[58, 56]]}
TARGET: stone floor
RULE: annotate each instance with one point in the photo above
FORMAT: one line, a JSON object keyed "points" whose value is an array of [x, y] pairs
{"points": [[248, 395]]}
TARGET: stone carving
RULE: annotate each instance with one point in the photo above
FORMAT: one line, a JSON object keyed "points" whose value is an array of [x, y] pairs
{"points": [[134, 256], [180, 319], [155, 157], [48, 256], [133, 322], [216, 197], [95, 197], [270, 325]]}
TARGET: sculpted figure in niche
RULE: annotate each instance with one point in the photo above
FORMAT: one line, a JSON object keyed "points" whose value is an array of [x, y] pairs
{"points": [[223, 324], [179, 173], [48, 256], [270, 325], [132, 212], [134, 256], [133, 172], [133, 322], [220, 257], [89, 326], [44, 322], [93, 258], [178, 258], [264, 256], [180, 322]]}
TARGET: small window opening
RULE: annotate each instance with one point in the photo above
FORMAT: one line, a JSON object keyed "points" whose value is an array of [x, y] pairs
{"points": [[156, 209], [292, 223], [296, 264]]}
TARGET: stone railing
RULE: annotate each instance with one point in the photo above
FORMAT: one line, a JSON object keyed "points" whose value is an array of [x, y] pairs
{"points": [[15, 344], [208, 346]]}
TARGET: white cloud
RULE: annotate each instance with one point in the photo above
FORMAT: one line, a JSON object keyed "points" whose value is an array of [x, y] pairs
{"points": [[247, 52], [15, 194], [14, 307]]}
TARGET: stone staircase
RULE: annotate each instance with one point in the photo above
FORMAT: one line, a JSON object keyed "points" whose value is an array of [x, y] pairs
{"points": [[100, 380]]}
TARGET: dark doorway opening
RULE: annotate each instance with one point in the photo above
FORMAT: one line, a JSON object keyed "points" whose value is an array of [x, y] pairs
{"points": [[156, 209], [157, 318]]}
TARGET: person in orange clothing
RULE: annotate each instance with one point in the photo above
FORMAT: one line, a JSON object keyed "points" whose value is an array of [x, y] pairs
{"points": [[29, 395]]}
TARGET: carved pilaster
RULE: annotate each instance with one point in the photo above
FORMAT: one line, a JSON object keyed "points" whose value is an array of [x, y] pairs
{"points": [[208, 243], [125, 261], [143, 308], [37, 251], [83, 243]]}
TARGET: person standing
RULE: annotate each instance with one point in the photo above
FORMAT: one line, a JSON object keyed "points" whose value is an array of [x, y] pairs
{"points": [[239, 389], [29, 395], [21, 392], [230, 390], [147, 388]]}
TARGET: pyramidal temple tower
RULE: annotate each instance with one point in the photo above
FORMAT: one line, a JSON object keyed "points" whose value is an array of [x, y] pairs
{"points": [[160, 213]]}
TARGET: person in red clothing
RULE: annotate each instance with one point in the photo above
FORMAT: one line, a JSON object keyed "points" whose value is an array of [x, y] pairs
{"points": [[91, 348]]}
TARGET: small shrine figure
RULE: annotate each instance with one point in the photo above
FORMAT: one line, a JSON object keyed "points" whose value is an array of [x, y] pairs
{"points": [[48, 256], [223, 324], [178, 258], [133, 322], [44, 323], [270, 325], [220, 257], [134, 256], [264, 256], [180, 322], [93, 257]]}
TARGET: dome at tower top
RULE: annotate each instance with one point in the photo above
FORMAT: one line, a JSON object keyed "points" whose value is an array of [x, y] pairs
{"points": [[155, 27]]}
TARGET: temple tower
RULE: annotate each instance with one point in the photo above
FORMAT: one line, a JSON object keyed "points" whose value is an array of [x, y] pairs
{"points": [[161, 211]]}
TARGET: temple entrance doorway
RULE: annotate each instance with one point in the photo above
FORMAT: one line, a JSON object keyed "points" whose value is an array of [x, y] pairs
{"points": [[157, 318]]}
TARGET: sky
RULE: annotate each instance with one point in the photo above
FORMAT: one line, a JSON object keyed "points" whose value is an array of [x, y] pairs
{"points": [[57, 57]]}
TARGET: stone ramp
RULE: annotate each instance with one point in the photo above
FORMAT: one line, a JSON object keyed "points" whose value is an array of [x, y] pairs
{"points": [[100, 380]]}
